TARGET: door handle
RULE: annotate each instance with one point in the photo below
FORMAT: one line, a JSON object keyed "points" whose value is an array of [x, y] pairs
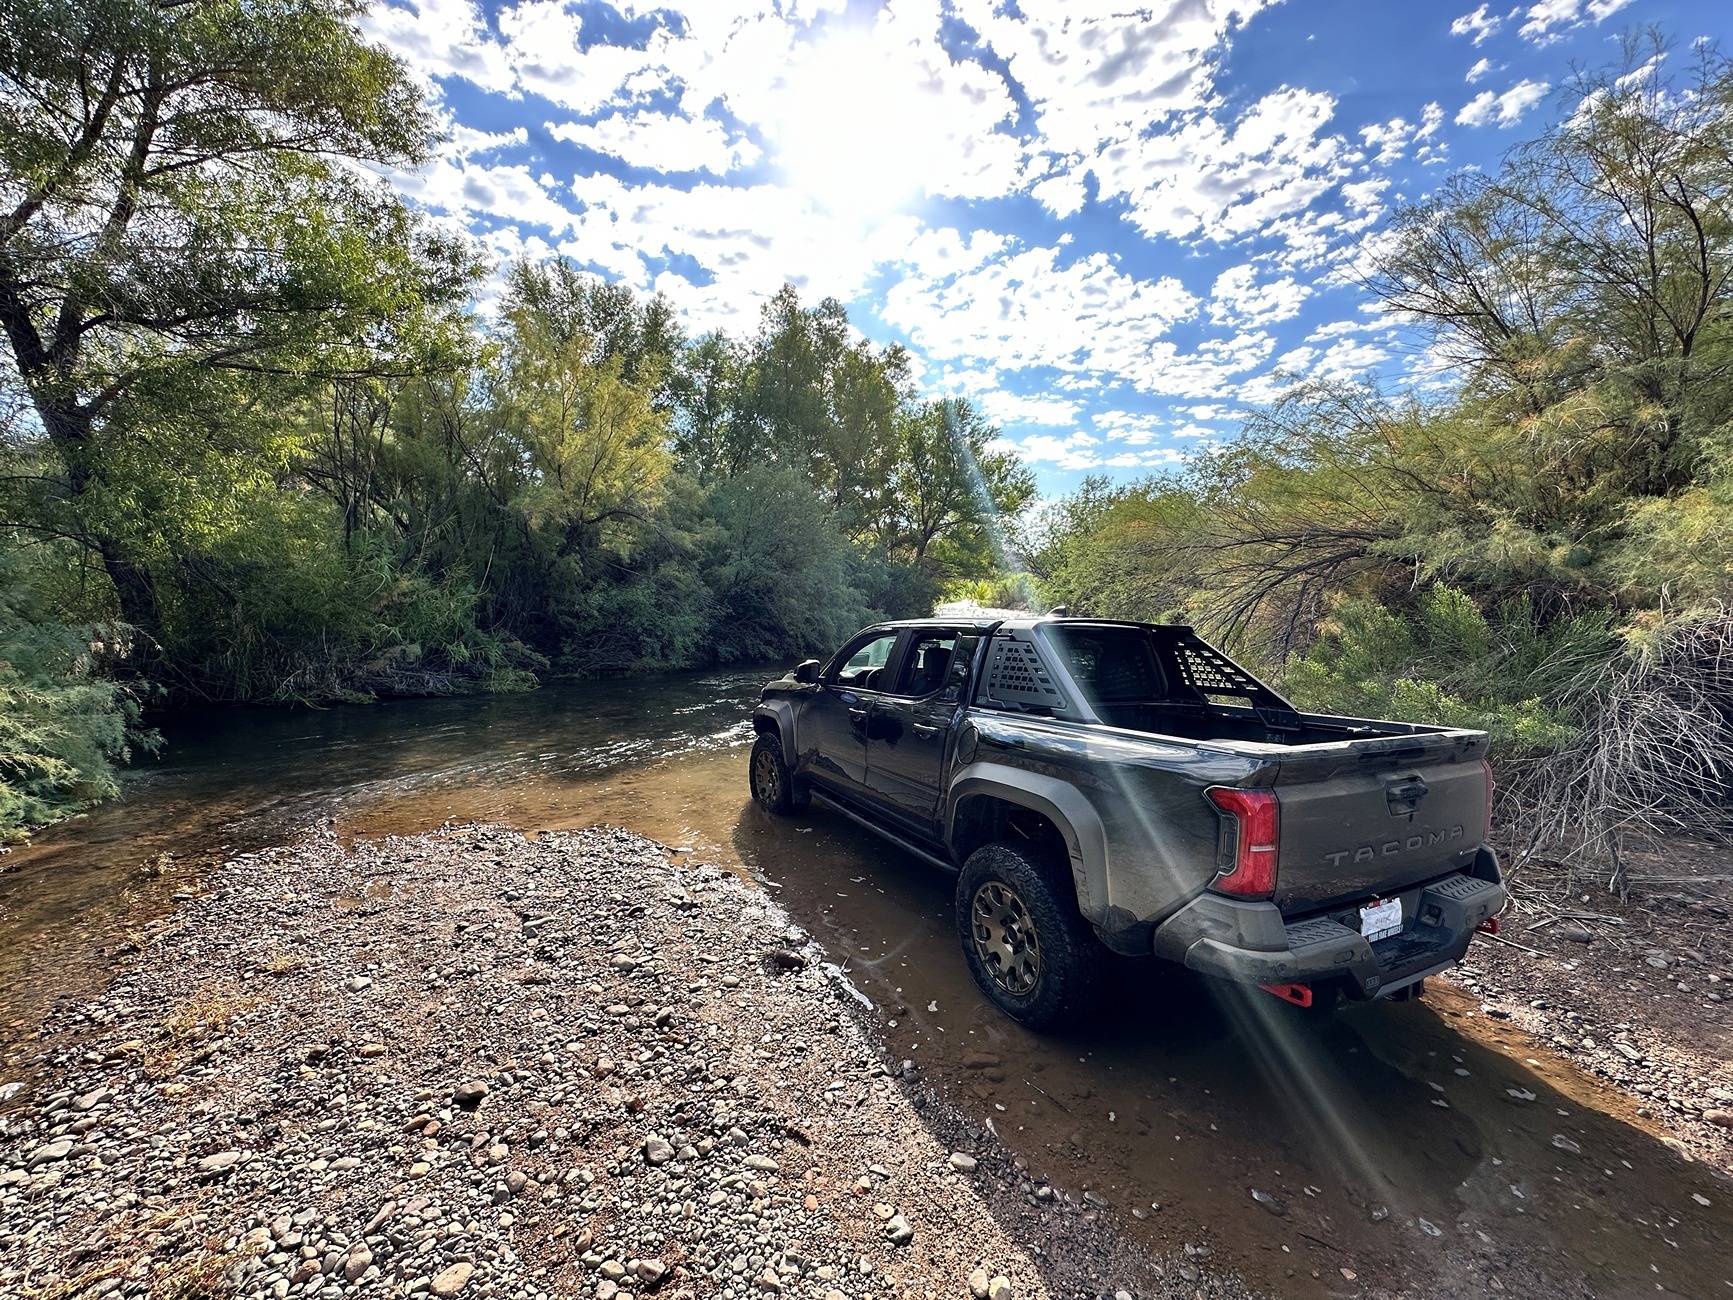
{"points": [[923, 729], [857, 714]]}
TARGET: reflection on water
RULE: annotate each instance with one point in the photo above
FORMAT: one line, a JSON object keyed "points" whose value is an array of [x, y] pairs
{"points": [[1388, 1140]]}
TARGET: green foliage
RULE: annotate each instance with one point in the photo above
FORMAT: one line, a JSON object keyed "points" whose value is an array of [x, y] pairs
{"points": [[778, 570], [63, 728], [1443, 662]]}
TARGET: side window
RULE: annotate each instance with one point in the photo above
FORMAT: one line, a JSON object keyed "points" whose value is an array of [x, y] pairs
{"points": [[864, 664], [926, 663]]}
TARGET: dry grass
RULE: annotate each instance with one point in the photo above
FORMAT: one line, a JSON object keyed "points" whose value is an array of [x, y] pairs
{"points": [[193, 1024], [194, 1275], [280, 963]]}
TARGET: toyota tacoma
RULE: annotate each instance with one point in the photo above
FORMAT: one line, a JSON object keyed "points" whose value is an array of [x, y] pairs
{"points": [[1120, 787]]}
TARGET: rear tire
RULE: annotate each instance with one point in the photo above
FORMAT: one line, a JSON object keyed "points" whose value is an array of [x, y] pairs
{"points": [[1029, 950], [773, 785]]}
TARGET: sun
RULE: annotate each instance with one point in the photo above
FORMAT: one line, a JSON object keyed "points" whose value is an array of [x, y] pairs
{"points": [[849, 131]]}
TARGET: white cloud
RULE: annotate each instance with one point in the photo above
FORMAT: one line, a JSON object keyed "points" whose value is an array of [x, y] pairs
{"points": [[1025, 309], [747, 239], [1548, 20], [442, 38], [1012, 408], [1098, 72], [1238, 299], [1480, 25], [1503, 110], [1208, 180], [670, 141], [1073, 451], [1479, 70]]}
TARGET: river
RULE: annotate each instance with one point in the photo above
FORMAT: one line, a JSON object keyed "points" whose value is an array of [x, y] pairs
{"points": [[1393, 1150]]}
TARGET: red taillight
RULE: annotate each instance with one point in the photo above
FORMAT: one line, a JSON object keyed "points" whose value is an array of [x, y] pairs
{"points": [[1256, 821], [1491, 785]]}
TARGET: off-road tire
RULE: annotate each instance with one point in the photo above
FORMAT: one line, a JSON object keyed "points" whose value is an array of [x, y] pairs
{"points": [[1070, 960], [773, 785]]}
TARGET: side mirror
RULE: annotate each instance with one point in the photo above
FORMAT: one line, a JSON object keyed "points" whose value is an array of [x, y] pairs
{"points": [[806, 671]]}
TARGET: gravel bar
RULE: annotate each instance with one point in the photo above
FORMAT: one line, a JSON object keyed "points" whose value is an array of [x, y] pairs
{"points": [[478, 1064]]}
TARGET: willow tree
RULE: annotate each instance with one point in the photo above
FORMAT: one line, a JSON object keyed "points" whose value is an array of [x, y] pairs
{"points": [[188, 227]]}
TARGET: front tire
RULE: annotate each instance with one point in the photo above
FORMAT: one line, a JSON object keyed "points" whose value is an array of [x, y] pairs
{"points": [[773, 785], [1029, 950]]}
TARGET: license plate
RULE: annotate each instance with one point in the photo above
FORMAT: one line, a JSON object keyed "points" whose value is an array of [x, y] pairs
{"points": [[1382, 919]]}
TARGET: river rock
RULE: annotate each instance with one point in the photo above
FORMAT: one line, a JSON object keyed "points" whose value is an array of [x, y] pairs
{"points": [[449, 1281], [469, 1095]]}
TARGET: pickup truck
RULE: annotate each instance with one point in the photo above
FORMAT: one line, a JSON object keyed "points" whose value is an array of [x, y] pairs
{"points": [[1119, 787]]}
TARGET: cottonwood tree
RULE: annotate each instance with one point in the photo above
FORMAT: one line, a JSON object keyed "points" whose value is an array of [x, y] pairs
{"points": [[949, 483], [189, 226]]}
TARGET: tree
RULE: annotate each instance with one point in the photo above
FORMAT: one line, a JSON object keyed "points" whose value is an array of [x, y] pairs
{"points": [[711, 439], [583, 405], [949, 483], [183, 231]]}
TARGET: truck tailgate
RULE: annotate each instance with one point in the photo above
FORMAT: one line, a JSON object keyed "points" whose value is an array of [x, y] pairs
{"points": [[1365, 817]]}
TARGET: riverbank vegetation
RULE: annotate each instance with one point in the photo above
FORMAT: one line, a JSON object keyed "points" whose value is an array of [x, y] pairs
{"points": [[258, 445], [1540, 544]]}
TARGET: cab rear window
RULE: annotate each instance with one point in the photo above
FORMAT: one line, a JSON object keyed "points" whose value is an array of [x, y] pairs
{"points": [[1111, 665]]}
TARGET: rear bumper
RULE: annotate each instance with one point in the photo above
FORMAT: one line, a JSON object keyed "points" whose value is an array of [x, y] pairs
{"points": [[1252, 942]]}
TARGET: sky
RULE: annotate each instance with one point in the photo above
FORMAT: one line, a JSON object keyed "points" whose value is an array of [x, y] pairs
{"points": [[1113, 227]]}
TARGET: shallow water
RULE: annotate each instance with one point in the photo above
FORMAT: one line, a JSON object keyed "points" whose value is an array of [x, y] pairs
{"points": [[1189, 1098]]}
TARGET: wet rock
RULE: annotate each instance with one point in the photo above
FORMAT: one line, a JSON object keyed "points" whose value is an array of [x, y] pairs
{"points": [[1274, 1204]]}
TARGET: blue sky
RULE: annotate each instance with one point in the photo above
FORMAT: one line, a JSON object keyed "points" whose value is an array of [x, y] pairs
{"points": [[1111, 226]]}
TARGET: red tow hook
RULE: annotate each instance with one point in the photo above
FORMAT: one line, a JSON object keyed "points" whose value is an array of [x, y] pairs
{"points": [[1488, 926], [1299, 994]]}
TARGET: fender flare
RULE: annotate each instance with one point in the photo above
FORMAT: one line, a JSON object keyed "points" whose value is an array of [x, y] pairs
{"points": [[777, 716], [1062, 803]]}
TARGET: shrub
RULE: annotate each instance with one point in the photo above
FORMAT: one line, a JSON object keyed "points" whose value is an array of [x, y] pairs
{"points": [[62, 728]]}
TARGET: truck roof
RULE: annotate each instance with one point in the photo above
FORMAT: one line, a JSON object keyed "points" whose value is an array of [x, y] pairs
{"points": [[1024, 622]]}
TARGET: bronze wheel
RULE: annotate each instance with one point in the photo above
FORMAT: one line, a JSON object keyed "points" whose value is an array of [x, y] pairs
{"points": [[766, 780], [1005, 938], [1027, 945], [774, 787]]}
